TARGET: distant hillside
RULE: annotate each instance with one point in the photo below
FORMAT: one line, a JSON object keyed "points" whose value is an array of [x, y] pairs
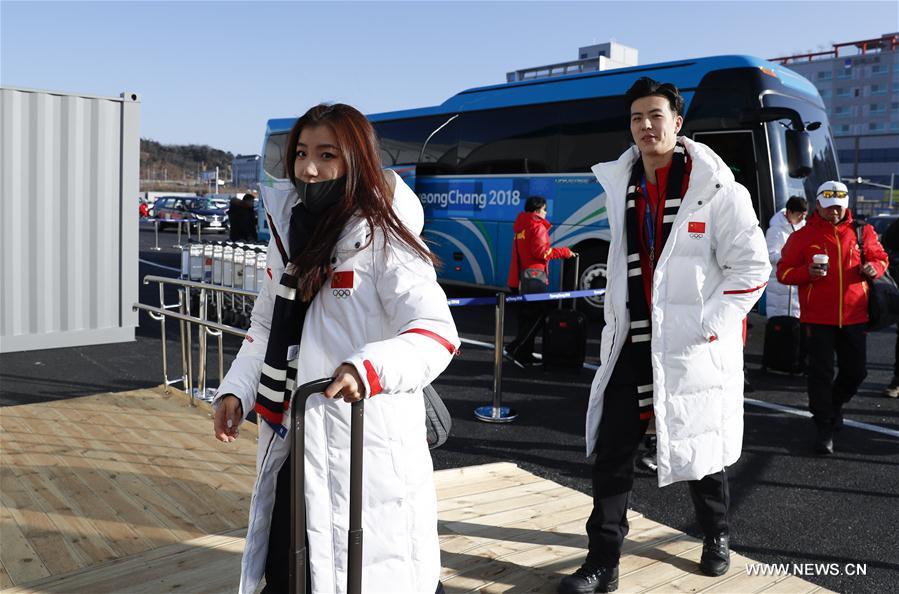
{"points": [[172, 166]]}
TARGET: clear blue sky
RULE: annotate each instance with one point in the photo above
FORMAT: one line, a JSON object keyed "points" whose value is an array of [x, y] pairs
{"points": [[214, 72]]}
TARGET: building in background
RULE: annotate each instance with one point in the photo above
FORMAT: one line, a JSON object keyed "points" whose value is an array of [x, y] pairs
{"points": [[245, 171], [592, 58], [859, 82]]}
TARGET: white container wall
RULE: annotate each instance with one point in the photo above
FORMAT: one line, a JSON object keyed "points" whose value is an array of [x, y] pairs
{"points": [[69, 171]]}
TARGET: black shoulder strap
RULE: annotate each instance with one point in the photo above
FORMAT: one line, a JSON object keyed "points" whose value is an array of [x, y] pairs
{"points": [[515, 249], [859, 227]]}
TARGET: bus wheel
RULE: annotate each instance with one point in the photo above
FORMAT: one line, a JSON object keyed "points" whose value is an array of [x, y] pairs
{"points": [[593, 272]]}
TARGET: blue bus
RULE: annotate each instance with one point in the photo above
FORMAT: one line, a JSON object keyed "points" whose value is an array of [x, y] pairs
{"points": [[474, 159]]}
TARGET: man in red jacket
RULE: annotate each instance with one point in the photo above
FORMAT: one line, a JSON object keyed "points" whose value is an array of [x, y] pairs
{"points": [[531, 251], [823, 259]]}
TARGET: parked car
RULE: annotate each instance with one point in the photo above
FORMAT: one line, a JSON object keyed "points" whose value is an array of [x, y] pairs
{"points": [[881, 222], [212, 215]]}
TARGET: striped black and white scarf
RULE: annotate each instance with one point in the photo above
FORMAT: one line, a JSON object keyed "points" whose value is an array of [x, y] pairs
{"points": [[279, 370], [640, 329]]}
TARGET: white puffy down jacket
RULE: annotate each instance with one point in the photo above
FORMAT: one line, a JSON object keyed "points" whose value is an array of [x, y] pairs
{"points": [[703, 286], [780, 299], [395, 327]]}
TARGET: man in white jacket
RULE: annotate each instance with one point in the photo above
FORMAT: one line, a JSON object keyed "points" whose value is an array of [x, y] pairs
{"points": [[780, 299], [687, 260]]}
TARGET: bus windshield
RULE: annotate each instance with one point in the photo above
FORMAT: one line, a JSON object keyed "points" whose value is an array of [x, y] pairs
{"points": [[824, 164]]}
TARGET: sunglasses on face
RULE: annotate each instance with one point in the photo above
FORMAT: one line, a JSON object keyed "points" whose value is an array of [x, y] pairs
{"points": [[834, 194]]}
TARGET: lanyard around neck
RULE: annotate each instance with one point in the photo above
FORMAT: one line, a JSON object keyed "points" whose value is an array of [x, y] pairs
{"points": [[649, 226]]}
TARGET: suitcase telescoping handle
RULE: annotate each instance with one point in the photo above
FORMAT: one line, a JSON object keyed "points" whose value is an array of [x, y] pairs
{"points": [[298, 560], [577, 266]]}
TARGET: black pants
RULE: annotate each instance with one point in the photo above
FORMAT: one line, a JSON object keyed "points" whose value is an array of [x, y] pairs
{"points": [[620, 432], [896, 359], [531, 317], [826, 394], [277, 562]]}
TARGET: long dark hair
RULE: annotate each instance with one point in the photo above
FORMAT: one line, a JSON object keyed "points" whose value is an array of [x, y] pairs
{"points": [[367, 193]]}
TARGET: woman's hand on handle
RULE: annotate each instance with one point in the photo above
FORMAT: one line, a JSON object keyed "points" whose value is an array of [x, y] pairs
{"points": [[226, 418], [347, 384]]}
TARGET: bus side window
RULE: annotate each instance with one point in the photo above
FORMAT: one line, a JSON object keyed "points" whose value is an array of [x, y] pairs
{"points": [[592, 131], [401, 141], [508, 141]]}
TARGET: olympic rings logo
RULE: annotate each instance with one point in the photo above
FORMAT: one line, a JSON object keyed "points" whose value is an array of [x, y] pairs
{"points": [[696, 235], [341, 293]]}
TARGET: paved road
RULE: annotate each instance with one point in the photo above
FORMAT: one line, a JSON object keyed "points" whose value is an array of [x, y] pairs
{"points": [[789, 506]]}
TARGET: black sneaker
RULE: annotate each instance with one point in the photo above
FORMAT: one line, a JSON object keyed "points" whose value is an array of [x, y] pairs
{"points": [[590, 579], [892, 391], [715, 559], [824, 440], [647, 459]]}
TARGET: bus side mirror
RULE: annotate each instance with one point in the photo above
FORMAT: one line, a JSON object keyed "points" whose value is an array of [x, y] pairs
{"points": [[799, 144], [799, 153]]}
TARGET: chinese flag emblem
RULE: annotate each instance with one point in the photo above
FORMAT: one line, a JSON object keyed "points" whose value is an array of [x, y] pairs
{"points": [[695, 227], [342, 280]]}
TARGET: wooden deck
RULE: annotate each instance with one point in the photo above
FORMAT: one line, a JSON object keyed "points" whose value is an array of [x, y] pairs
{"points": [[130, 493]]}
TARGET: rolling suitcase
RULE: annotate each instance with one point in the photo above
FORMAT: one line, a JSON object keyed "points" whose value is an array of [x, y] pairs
{"points": [[298, 560], [783, 346], [565, 333]]}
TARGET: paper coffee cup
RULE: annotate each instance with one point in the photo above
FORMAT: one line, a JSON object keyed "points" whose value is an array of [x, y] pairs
{"points": [[821, 260]]}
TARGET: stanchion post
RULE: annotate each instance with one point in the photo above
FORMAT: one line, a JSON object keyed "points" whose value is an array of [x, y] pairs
{"points": [[184, 330], [165, 359], [218, 308], [201, 345], [156, 247], [190, 350], [496, 412], [178, 245]]}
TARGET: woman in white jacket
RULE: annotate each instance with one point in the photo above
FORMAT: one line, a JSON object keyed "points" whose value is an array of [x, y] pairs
{"points": [[780, 299], [358, 300]]}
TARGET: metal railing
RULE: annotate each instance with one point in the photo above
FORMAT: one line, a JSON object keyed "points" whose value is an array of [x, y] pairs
{"points": [[495, 412], [186, 321]]}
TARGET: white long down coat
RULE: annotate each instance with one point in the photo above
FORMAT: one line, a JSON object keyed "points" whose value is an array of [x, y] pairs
{"points": [[780, 299], [704, 285], [394, 292]]}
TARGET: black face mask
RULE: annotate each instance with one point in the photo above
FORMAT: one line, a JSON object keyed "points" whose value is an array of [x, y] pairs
{"points": [[320, 196]]}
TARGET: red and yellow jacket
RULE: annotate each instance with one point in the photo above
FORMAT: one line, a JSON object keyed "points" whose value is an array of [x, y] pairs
{"points": [[841, 297], [532, 246]]}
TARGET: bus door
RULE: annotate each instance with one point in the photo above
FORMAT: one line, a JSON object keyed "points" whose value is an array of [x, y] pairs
{"points": [[737, 149]]}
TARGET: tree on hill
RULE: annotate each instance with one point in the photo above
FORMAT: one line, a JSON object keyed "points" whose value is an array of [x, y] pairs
{"points": [[171, 166]]}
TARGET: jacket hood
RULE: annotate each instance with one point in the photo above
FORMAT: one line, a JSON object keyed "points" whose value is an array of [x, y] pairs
{"points": [[407, 206], [527, 219]]}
